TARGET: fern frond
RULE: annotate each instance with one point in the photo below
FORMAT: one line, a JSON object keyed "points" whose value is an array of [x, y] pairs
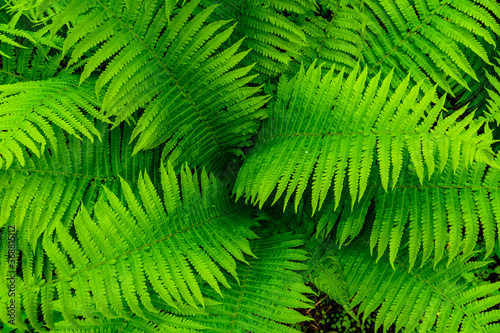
{"points": [[325, 272], [26, 64], [270, 31], [424, 38], [425, 300], [143, 240], [169, 319], [476, 97], [268, 292], [196, 99], [48, 190], [493, 103], [444, 214], [330, 129], [334, 36], [28, 110], [29, 54], [38, 11], [36, 38]]}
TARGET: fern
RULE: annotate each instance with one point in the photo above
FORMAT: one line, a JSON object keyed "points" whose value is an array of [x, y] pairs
{"points": [[271, 32], [380, 118], [268, 288], [493, 113], [28, 109], [202, 99], [325, 272], [424, 299], [320, 127], [334, 37], [423, 38], [476, 97], [63, 178], [124, 248], [448, 211], [38, 11]]}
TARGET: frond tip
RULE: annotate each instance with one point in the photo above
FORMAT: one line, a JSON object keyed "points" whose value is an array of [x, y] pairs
{"points": [[29, 110]]}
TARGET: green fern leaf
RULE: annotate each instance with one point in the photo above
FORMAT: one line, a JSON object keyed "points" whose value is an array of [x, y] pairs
{"points": [[48, 190], [424, 39], [325, 272], [269, 289], [270, 31], [27, 110], [493, 103], [334, 37], [422, 299], [195, 98], [139, 242], [443, 215], [319, 127]]}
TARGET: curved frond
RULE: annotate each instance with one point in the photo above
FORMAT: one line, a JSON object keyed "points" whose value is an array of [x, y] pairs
{"points": [[423, 38], [28, 110], [169, 244], [195, 98], [331, 130], [425, 300], [268, 291]]}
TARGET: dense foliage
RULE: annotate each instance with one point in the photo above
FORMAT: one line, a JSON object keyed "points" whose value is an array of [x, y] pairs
{"points": [[206, 165]]}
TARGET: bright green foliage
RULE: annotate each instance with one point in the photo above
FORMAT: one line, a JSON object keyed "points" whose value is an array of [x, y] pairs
{"points": [[334, 36], [447, 211], [164, 322], [331, 129], [48, 190], [124, 249], [423, 38], [268, 287], [379, 117], [29, 108], [37, 10], [423, 299], [179, 76]]}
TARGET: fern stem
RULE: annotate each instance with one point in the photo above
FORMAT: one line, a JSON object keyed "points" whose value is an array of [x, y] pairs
{"points": [[242, 292], [76, 175], [13, 74]]}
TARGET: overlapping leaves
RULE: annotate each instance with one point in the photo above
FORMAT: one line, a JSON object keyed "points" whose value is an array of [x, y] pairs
{"points": [[329, 129]]}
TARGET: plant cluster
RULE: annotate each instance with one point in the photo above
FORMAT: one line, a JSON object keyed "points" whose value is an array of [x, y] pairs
{"points": [[198, 165]]}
